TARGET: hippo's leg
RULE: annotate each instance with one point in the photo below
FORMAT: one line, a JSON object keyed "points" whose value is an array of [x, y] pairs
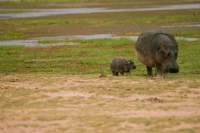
{"points": [[149, 71], [113, 72], [116, 73], [122, 73], [159, 72], [128, 73]]}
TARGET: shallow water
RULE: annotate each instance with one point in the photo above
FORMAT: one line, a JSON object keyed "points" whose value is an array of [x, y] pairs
{"points": [[34, 42], [171, 26], [47, 12]]}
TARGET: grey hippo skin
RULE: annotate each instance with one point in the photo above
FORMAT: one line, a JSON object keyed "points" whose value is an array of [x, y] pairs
{"points": [[159, 49], [121, 65]]}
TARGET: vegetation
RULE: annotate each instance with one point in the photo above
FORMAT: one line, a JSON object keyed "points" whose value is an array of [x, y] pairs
{"points": [[88, 57]]}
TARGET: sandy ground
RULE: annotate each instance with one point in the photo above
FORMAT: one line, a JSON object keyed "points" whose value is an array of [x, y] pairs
{"points": [[180, 106]]}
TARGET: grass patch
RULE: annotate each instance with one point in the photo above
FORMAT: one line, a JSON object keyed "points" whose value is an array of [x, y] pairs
{"points": [[90, 57], [12, 35], [164, 19], [188, 52], [13, 11], [192, 34]]}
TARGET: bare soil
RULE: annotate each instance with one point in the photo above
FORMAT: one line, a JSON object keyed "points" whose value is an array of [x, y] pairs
{"points": [[90, 103]]}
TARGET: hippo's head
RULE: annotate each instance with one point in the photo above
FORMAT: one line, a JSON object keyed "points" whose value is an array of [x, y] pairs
{"points": [[130, 64], [166, 56]]}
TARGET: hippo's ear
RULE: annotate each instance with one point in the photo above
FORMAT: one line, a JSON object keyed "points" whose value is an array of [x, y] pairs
{"points": [[176, 45], [126, 62]]}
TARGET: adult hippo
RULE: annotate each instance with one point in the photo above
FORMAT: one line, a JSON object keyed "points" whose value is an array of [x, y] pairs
{"points": [[159, 49]]}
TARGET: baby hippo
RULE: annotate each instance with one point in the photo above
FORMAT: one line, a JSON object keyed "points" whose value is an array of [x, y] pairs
{"points": [[121, 65]]}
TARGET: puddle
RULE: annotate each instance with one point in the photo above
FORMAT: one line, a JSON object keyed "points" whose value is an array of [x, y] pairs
{"points": [[34, 42], [47, 12], [182, 25], [19, 42], [187, 39], [102, 36]]}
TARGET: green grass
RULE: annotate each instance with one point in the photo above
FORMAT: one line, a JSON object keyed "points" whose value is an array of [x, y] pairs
{"points": [[12, 35], [159, 19], [170, 19], [188, 56], [90, 57], [192, 34], [13, 11]]}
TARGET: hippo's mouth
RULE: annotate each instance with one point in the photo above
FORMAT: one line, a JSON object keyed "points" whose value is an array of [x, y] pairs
{"points": [[171, 70], [134, 67], [174, 70], [170, 67]]}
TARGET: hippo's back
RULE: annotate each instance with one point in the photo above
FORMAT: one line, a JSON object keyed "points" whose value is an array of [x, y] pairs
{"points": [[144, 40], [117, 64]]}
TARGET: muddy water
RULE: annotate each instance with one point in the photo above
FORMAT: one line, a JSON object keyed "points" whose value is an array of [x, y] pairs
{"points": [[47, 12], [35, 42]]}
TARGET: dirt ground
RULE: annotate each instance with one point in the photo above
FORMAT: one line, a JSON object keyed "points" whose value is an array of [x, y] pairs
{"points": [[94, 103]]}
